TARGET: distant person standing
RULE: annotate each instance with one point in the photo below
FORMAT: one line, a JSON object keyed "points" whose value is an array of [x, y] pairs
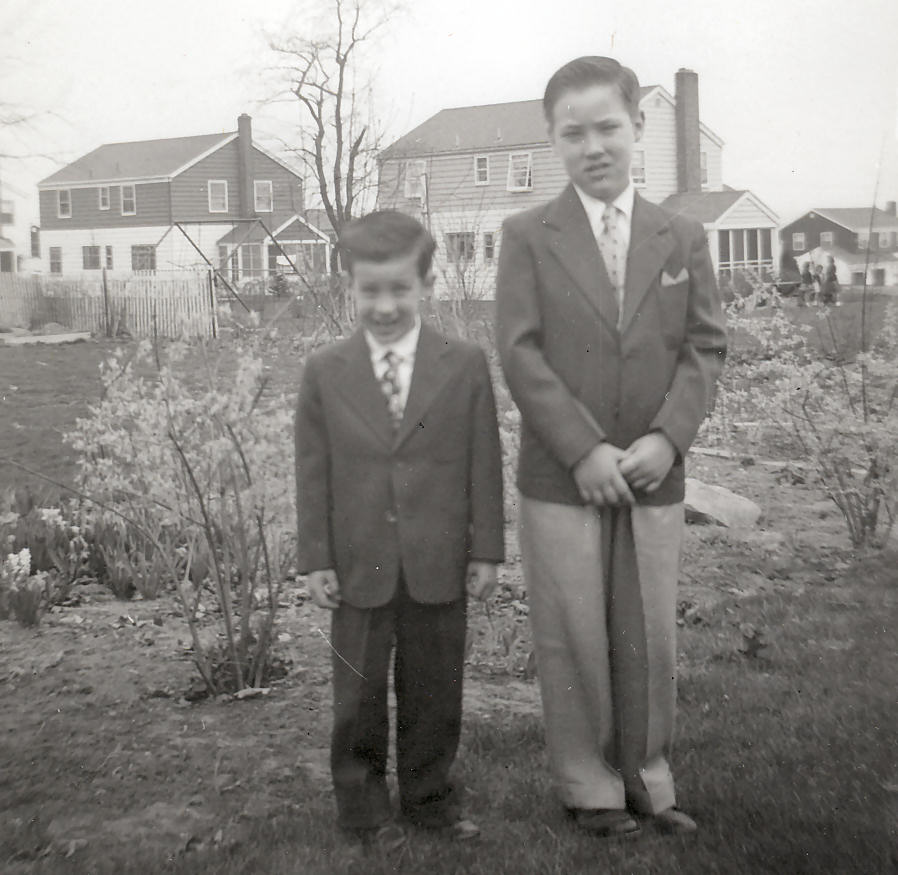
{"points": [[829, 292], [807, 284], [790, 276], [818, 282]]}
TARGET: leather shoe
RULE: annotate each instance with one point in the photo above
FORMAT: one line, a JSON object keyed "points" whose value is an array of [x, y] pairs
{"points": [[674, 821], [605, 822]]}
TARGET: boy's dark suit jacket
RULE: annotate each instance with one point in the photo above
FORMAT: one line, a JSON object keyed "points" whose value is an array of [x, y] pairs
{"points": [[427, 500], [577, 378]]}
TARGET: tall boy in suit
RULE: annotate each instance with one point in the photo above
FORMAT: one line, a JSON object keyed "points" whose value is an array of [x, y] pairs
{"points": [[611, 336], [399, 495]]}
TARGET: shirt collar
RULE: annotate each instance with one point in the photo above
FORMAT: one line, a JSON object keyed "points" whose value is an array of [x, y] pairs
{"points": [[624, 201], [404, 347]]}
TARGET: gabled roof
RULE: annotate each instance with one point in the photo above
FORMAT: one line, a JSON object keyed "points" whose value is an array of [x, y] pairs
{"points": [[141, 159], [857, 218], [706, 207], [286, 227], [491, 126], [711, 207]]}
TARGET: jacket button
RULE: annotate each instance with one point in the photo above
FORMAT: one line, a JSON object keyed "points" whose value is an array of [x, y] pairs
{"points": [[390, 517]]}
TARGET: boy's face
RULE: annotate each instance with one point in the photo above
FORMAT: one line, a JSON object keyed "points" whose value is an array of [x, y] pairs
{"points": [[388, 295], [593, 134]]}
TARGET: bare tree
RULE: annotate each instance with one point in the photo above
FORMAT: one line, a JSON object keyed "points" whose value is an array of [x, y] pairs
{"points": [[338, 138]]}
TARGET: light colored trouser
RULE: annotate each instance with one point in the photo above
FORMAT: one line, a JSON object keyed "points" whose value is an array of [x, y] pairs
{"points": [[602, 591]]}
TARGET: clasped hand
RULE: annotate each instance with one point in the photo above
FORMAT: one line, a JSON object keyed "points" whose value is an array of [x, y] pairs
{"points": [[608, 475]]}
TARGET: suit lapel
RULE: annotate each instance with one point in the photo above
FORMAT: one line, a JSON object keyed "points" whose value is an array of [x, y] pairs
{"points": [[651, 243], [429, 377], [359, 387], [572, 242]]}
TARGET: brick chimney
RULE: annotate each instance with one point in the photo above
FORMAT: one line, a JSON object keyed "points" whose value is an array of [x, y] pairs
{"points": [[891, 208], [689, 172], [244, 146]]}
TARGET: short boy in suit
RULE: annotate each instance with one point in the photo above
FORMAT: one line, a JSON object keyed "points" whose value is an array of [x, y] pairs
{"points": [[399, 495], [611, 336]]}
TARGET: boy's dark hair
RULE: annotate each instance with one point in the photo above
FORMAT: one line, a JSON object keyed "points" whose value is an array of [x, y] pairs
{"points": [[581, 73], [386, 234]]}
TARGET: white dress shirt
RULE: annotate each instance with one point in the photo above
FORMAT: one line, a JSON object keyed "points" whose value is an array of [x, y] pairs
{"points": [[404, 349], [595, 209]]}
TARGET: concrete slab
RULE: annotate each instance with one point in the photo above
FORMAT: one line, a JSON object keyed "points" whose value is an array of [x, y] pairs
{"points": [[26, 339]]}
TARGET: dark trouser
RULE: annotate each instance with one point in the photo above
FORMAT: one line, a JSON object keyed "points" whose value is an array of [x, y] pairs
{"points": [[429, 643]]}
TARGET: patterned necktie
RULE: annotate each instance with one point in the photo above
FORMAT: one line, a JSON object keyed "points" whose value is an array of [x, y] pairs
{"points": [[389, 385], [609, 246]]}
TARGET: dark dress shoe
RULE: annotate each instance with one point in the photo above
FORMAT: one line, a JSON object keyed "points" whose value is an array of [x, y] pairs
{"points": [[672, 820], [605, 823]]}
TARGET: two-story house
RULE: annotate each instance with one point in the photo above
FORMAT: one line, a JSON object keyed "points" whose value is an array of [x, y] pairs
{"points": [[464, 170], [176, 204], [858, 238]]}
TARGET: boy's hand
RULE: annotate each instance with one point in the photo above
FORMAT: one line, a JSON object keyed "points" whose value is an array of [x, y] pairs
{"points": [[482, 579], [324, 588], [599, 478], [647, 460]]}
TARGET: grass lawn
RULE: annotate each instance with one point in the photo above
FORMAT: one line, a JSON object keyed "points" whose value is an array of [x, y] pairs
{"points": [[788, 759]]}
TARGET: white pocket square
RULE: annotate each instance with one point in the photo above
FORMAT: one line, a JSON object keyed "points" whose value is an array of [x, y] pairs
{"points": [[668, 280]]}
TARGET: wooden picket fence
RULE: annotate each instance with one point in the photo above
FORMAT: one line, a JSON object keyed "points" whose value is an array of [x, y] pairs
{"points": [[175, 305]]}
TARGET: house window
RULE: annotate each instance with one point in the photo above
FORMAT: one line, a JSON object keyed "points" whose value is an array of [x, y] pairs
{"points": [[637, 167], [863, 240], [798, 241], [263, 195], [703, 167], [481, 170], [414, 179], [129, 200], [520, 172], [90, 257], [218, 195], [460, 246], [64, 203], [108, 258], [489, 246], [826, 238], [251, 256], [143, 256], [103, 197], [55, 259], [885, 239]]}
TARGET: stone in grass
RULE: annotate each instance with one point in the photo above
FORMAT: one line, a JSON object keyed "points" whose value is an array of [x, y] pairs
{"points": [[707, 503]]}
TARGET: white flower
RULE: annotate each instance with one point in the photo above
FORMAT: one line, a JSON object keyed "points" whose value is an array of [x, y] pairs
{"points": [[52, 516]]}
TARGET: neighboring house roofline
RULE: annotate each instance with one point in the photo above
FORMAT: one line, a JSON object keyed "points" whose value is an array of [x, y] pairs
{"points": [[523, 118], [273, 157], [296, 217], [100, 183], [50, 184], [504, 149], [703, 128], [210, 151], [750, 195], [881, 220]]}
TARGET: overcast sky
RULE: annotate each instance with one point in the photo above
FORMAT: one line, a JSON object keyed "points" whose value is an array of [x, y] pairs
{"points": [[803, 92]]}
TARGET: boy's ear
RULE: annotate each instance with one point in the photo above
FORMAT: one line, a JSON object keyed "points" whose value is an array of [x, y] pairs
{"points": [[428, 282], [639, 125]]}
